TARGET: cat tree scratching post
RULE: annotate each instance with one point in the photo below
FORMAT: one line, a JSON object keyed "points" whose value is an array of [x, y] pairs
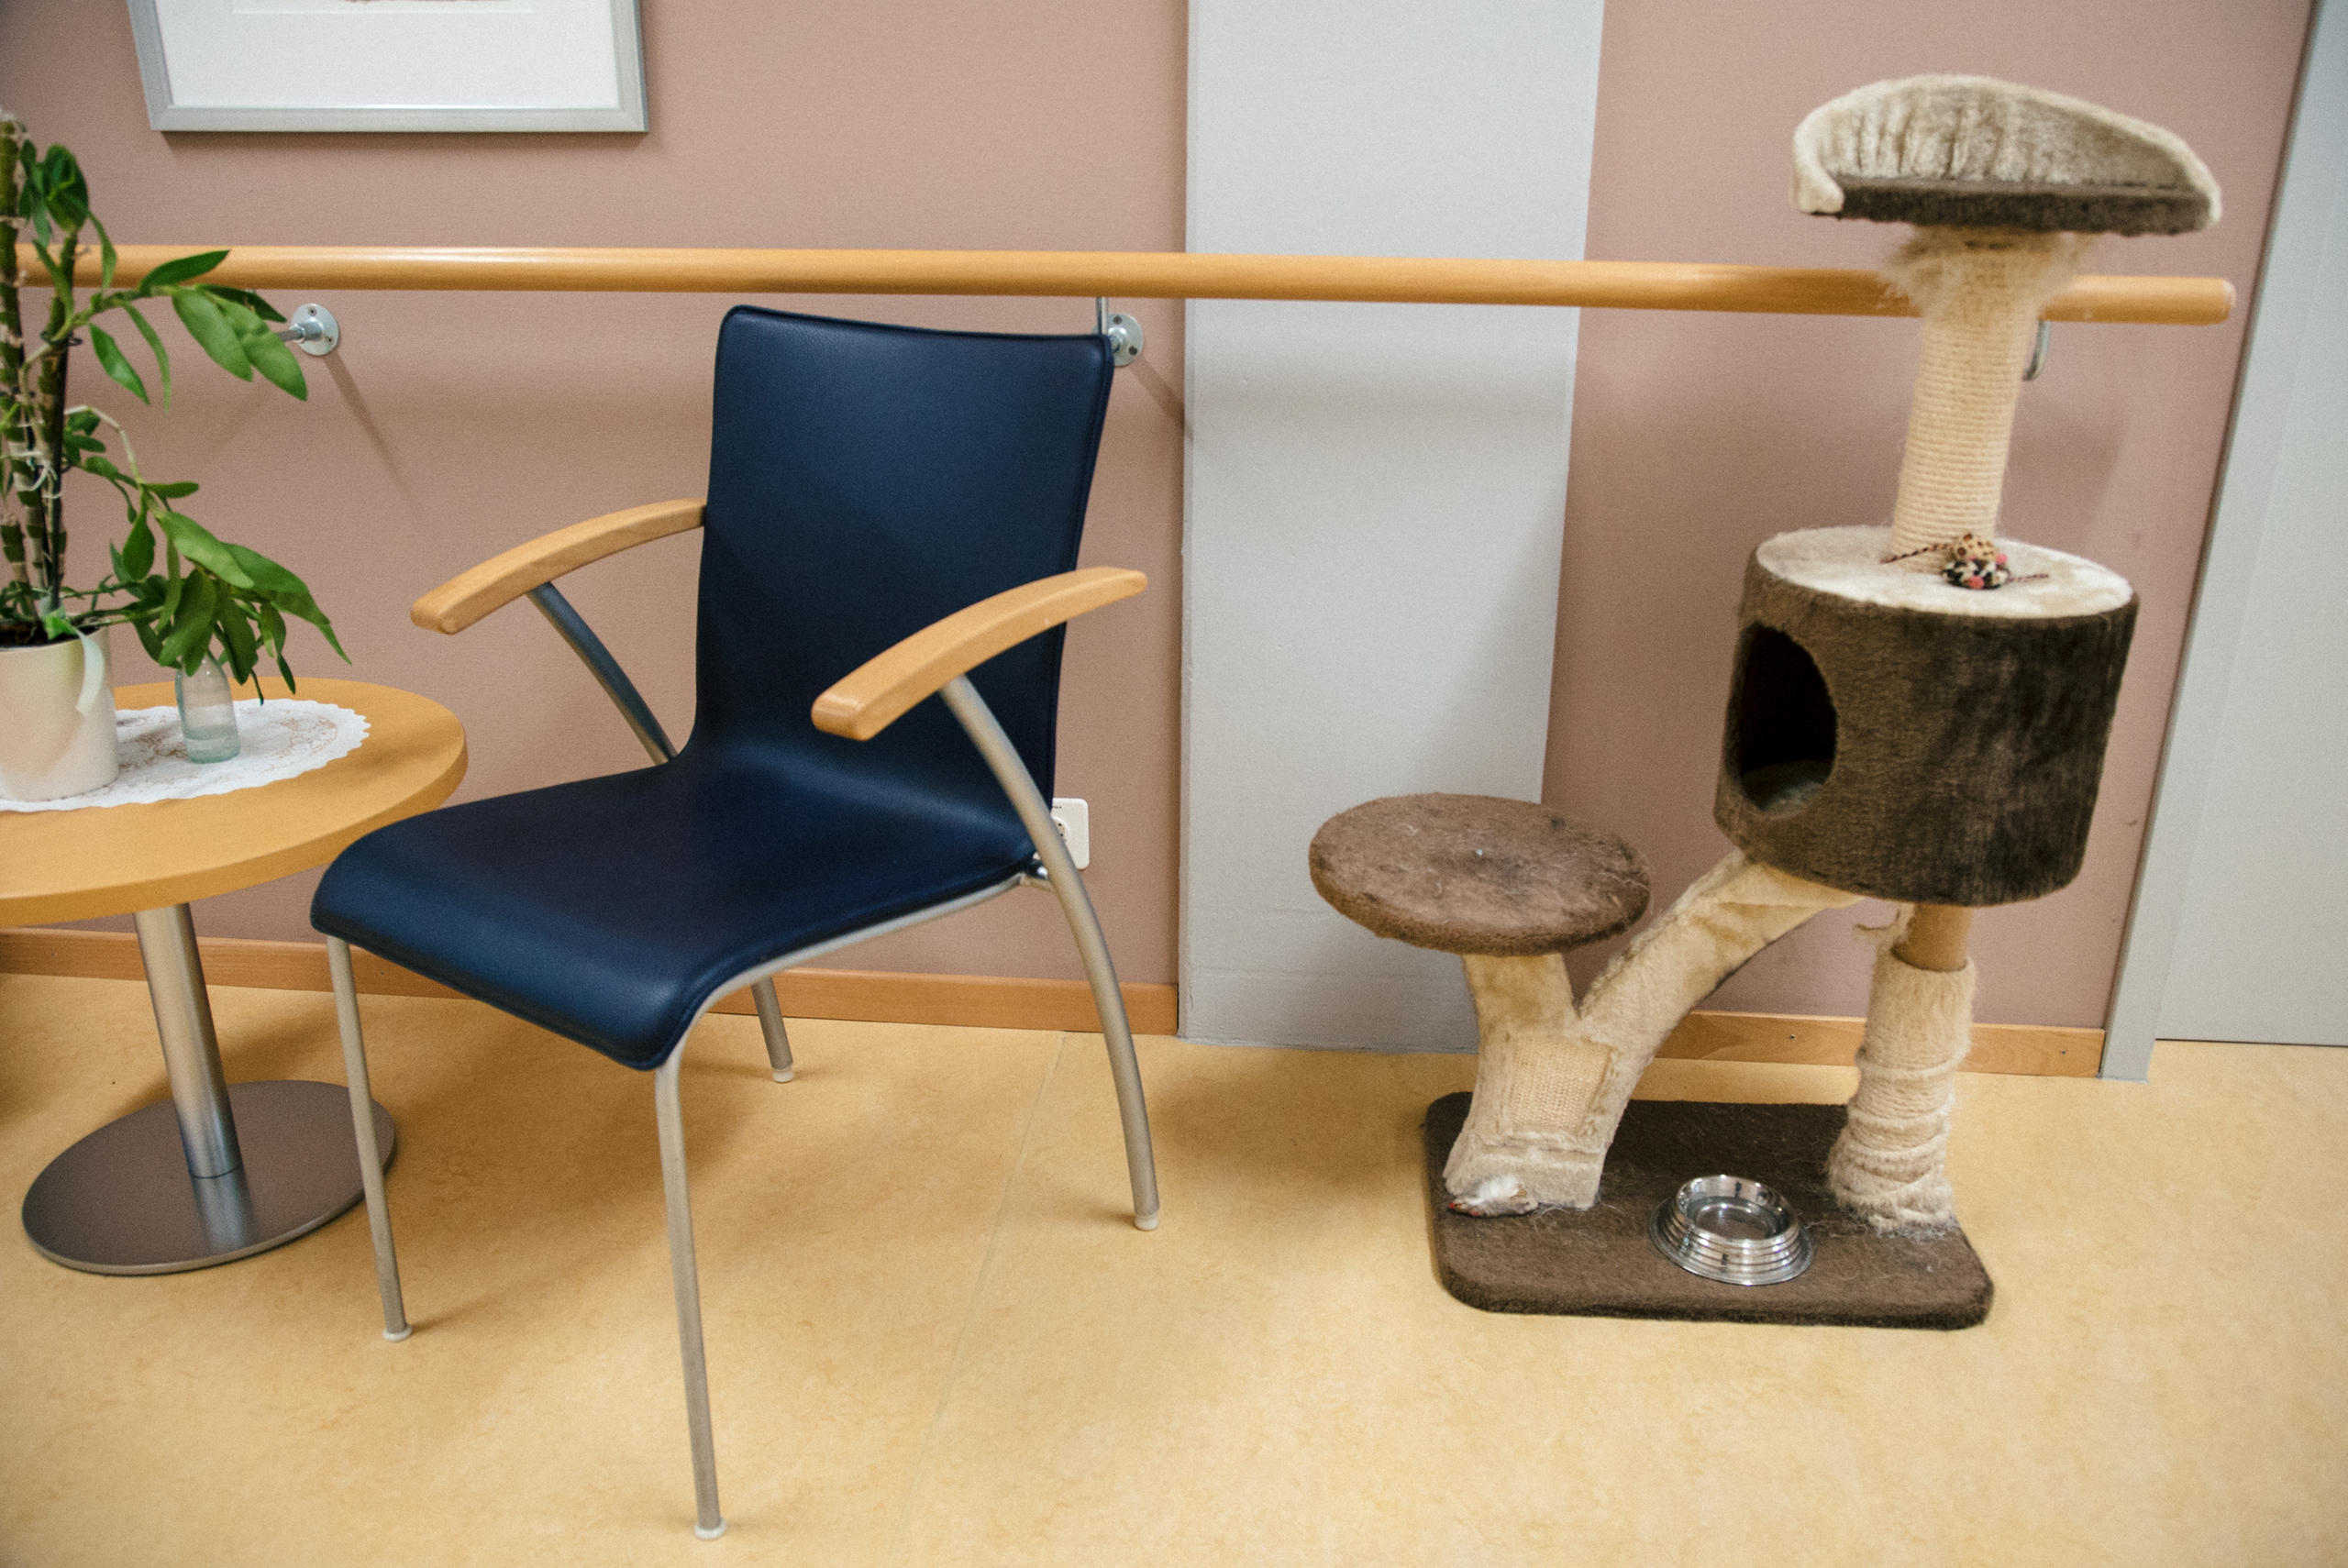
{"points": [[2001, 182], [1913, 716]]}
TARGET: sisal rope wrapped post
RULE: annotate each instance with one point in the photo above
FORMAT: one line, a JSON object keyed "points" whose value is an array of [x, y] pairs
{"points": [[2000, 181], [1980, 292], [1890, 1163]]}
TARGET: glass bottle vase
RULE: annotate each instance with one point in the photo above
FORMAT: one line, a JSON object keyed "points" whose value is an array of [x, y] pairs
{"points": [[208, 713]]}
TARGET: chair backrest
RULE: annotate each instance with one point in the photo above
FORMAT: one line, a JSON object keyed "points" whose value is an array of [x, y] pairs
{"points": [[864, 481]]}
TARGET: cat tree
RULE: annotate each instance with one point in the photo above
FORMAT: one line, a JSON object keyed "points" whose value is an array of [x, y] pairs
{"points": [[1917, 712]]}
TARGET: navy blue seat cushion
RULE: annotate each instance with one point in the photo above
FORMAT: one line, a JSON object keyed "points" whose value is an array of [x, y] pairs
{"points": [[611, 910], [865, 480]]}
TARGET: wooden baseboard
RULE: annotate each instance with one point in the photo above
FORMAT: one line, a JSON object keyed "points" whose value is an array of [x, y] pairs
{"points": [[878, 996], [998, 1002], [2042, 1050]]}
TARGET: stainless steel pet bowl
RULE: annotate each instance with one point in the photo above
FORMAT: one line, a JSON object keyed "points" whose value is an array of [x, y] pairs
{"points": [[1732, 1230]]}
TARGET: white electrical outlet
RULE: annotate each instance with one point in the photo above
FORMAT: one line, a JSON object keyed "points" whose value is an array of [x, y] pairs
{"points": [[1075, 821]]}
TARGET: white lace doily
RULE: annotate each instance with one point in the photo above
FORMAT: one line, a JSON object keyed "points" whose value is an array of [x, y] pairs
{"points": [[277, 739]]}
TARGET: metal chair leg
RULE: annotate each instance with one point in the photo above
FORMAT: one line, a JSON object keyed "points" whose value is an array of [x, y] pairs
{"points": [[708, 1523], [1003, 759], [362, 1123], [1109, 1000], [770, 1025]]}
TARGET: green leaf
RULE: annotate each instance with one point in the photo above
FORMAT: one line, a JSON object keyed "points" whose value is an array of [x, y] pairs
{"points": [[247, 298], [191, 632], [173, 490], [65, 189], [60, 279], [238, 634], [104, 468], [110, 358], [193, 541], [137, 556], [270, 356], [179, 270], [107, 258], [240, 319], [163, 360], [150, 638], [283, 590], [276, 361], [212, 334], [265, 576], [305, 609]]}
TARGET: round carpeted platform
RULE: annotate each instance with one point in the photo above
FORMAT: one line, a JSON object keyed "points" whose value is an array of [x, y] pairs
{"points": [[1473, 874]]}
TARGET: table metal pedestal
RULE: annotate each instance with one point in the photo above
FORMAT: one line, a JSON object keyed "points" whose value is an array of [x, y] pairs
{"points": [[217, 1171]]}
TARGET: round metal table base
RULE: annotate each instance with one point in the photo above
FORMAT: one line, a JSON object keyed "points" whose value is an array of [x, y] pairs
{"points": [[120, 1201]]}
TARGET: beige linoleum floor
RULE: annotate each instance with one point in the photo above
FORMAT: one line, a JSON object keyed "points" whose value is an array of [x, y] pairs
{"points": [[935, 1339]]}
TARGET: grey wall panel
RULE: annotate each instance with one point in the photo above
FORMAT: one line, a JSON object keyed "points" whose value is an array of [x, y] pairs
{"points": [[1374, 494], [2238, 928]]}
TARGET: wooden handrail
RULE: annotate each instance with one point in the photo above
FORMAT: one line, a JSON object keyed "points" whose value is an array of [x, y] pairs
{"points": [[1144, 274]]}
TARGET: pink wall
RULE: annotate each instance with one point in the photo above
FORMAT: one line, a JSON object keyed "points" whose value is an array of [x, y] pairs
{"points": [[1696, 437], [454, 426]]}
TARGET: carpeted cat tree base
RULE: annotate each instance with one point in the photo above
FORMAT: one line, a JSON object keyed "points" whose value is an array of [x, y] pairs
{"points": [[1598, 1262]]}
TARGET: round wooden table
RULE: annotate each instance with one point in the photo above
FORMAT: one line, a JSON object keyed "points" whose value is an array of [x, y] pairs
{"points": [[216, 1172]]}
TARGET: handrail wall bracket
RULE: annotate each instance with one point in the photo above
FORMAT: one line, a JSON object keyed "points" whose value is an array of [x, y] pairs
{"points": [[1123, 333], [312, 329]]}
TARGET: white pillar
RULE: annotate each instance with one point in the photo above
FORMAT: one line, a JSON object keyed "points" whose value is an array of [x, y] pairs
{"points": [[1376, 492]]}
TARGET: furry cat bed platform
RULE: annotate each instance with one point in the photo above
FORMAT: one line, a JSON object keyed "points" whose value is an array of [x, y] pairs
{"points": [[1893, 736], [1598, 1263]]}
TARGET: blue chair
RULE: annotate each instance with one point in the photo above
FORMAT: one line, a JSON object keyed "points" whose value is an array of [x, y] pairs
{"points": [[900, 504]]}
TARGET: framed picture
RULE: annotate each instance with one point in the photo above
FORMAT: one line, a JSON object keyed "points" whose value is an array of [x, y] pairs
{"points": [[391, 65]]}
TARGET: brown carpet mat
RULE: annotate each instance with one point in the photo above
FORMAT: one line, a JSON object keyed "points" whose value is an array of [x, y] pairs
{"points": [[1598, 1263]]}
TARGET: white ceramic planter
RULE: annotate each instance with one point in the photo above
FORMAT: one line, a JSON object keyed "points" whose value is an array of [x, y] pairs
{"points": [[56, 719]]}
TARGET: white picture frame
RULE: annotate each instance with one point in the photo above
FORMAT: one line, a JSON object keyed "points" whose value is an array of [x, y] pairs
{"points": [[391, 65]]}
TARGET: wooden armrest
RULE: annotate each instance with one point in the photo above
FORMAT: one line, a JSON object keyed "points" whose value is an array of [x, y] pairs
{"points": [[466, 597], [877, 694]]}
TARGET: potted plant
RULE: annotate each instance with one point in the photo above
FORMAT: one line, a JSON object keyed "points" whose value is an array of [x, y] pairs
{"points": [[197, 602]]}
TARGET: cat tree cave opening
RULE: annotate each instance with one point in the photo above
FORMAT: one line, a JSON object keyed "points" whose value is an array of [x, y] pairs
{"points": [[1783, 742]]}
